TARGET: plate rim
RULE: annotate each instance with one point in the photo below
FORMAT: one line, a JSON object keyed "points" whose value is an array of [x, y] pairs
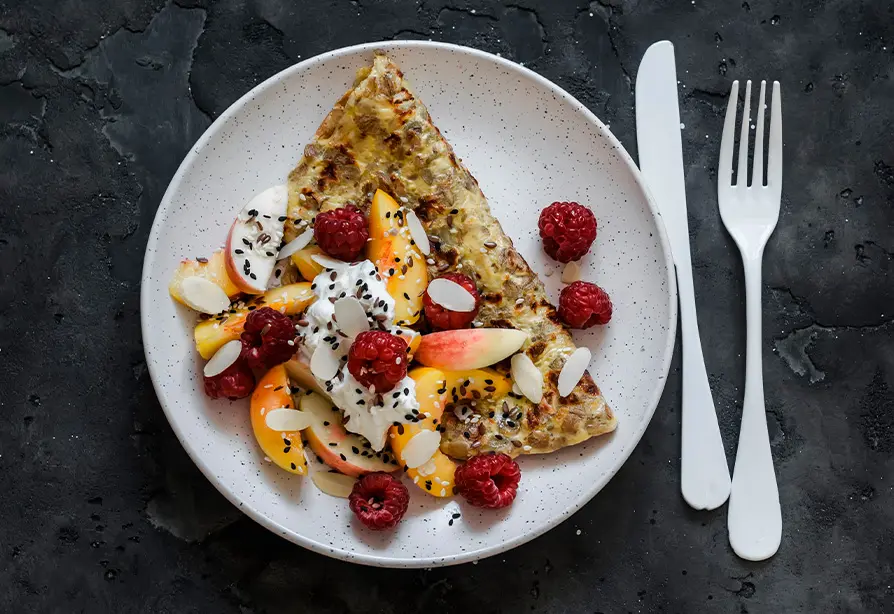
{"points": [[376, 560]]}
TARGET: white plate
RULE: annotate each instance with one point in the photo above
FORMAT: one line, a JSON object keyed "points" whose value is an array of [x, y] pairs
{"points": [[528, 143]]}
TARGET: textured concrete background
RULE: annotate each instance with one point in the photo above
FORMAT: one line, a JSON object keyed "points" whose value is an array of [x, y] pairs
{"points": [[102, 511]]}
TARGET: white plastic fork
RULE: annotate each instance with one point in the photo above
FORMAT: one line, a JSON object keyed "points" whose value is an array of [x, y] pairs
{"points": [[750, 213]]}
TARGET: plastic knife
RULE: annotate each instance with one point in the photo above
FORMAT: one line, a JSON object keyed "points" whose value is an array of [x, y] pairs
{"points": [[705, 478]]}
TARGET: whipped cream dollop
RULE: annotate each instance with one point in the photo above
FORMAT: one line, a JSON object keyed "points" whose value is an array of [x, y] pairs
{"points": [[366, 413]]}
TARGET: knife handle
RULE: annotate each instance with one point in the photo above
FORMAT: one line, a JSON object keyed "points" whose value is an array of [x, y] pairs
{"points": [[704, 479]]}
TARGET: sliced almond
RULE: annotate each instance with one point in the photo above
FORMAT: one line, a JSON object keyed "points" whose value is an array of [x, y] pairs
{"points": [[334, 484], [417, 232], [351, 316], [450, 295], [223, 358], [428, 468], [571, 272], [329, 263], [324, 364], [296, 244], [421, 448], [528, 377], [573, 370], [287, 419], [517, 390], [203, 295]]}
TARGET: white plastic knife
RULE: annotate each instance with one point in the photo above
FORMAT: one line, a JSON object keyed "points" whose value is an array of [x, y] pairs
{"points": [[705, 479]]}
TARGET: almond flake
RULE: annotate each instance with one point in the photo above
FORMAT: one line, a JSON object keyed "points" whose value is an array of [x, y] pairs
{"points": [[571, 272], [421, 448], [428, 468], [329, 263], [324, 364], [287, 419], [204, 296], [351, 316], [417, 232], [528, 377], [450, 295], [334, 484], [223, 358], [296, 244], [573, 370]]}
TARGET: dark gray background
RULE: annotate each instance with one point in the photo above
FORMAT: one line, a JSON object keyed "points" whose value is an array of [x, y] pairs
{"points": [[102, 511]]}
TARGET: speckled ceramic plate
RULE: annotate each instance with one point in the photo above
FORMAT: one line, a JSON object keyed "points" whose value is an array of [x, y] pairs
{"points": [[528, 143]]}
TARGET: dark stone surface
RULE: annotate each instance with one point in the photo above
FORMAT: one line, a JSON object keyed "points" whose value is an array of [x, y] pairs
{"points": [[102, 511]]}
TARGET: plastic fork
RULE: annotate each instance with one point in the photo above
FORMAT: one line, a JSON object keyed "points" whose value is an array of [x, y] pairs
{"points": [[750, 213]]}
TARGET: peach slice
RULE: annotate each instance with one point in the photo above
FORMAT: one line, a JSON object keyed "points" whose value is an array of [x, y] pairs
{"points": [[397, 258], [469, 348], [212, 333], [214, 269], [307, 266], [282, 447], [434, 389], [345, 452]]}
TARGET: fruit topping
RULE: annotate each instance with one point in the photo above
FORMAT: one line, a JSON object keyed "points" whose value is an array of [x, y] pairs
{"points": [[334, 484], [253, 243], [204, 296], [451, 301], [307, 266], [268, 338], [567, 230], [235, 382], [296, 244], [342, 233], [469, 348], [378, 359], [582, 305], [488, 480], [527, 377], [379, 501], [223, 358], [281, 445], [214, 269], [573, 370]]}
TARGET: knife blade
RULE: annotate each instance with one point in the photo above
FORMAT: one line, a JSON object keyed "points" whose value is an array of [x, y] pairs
{"points": [[704, 473]]}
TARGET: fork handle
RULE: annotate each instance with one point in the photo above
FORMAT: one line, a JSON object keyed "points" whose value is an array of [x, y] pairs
{"points": [[755, 518]]}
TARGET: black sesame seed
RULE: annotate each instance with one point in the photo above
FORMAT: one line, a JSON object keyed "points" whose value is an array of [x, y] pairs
{"points": [[408, 417], [286, 441], [240, 252], [252, 275], [286, 450], [400, 428], [488, 381], [456, 515], [282, 218], [246, 242], [325, 423], [343, 457], [332, 444], [355, 449], [293, 466]]}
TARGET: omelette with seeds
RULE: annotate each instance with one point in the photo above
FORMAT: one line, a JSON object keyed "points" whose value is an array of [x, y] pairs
{"points": [[379, 138]]}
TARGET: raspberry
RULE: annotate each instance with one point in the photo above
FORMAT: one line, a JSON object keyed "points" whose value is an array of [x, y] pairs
{"points": [[235, 382], [567, 230], [379, 500], [265, 338], [378, 359], [582, 305], [488, 480], [341, 233], [445, 319]]}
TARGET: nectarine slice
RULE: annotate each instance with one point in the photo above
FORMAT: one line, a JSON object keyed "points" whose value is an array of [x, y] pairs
{"points": [[214, 269], [211, 334], [307, 266], [469, 348], [434, 390], [282, 447], [394, 253]]}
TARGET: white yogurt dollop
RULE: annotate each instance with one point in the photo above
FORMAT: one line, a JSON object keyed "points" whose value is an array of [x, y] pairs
{"points": [[363, 414]]}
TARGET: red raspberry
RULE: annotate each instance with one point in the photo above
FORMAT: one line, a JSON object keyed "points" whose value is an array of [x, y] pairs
{"points": [[567, 230], [445, 319], [342, 233], [582, 305], [265, 338], [379, 500], [235, 382], [488, 480], [379, 359]]}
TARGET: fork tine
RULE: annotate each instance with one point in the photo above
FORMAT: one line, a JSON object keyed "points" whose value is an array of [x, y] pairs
{"points": [[757, 169], [742, 169], [725, 166], [774, 156]]}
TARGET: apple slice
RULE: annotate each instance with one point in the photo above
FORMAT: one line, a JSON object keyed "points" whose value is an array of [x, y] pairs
{"points": [[469, 348], [345, 452], [253, 243], [282, 447]]}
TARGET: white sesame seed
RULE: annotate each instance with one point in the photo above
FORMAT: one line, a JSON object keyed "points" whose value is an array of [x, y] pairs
{"points": [[404, 199], [443, 492], [415, 479], [430, 260], [483, 250], [526, 448], [302, 196]]}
